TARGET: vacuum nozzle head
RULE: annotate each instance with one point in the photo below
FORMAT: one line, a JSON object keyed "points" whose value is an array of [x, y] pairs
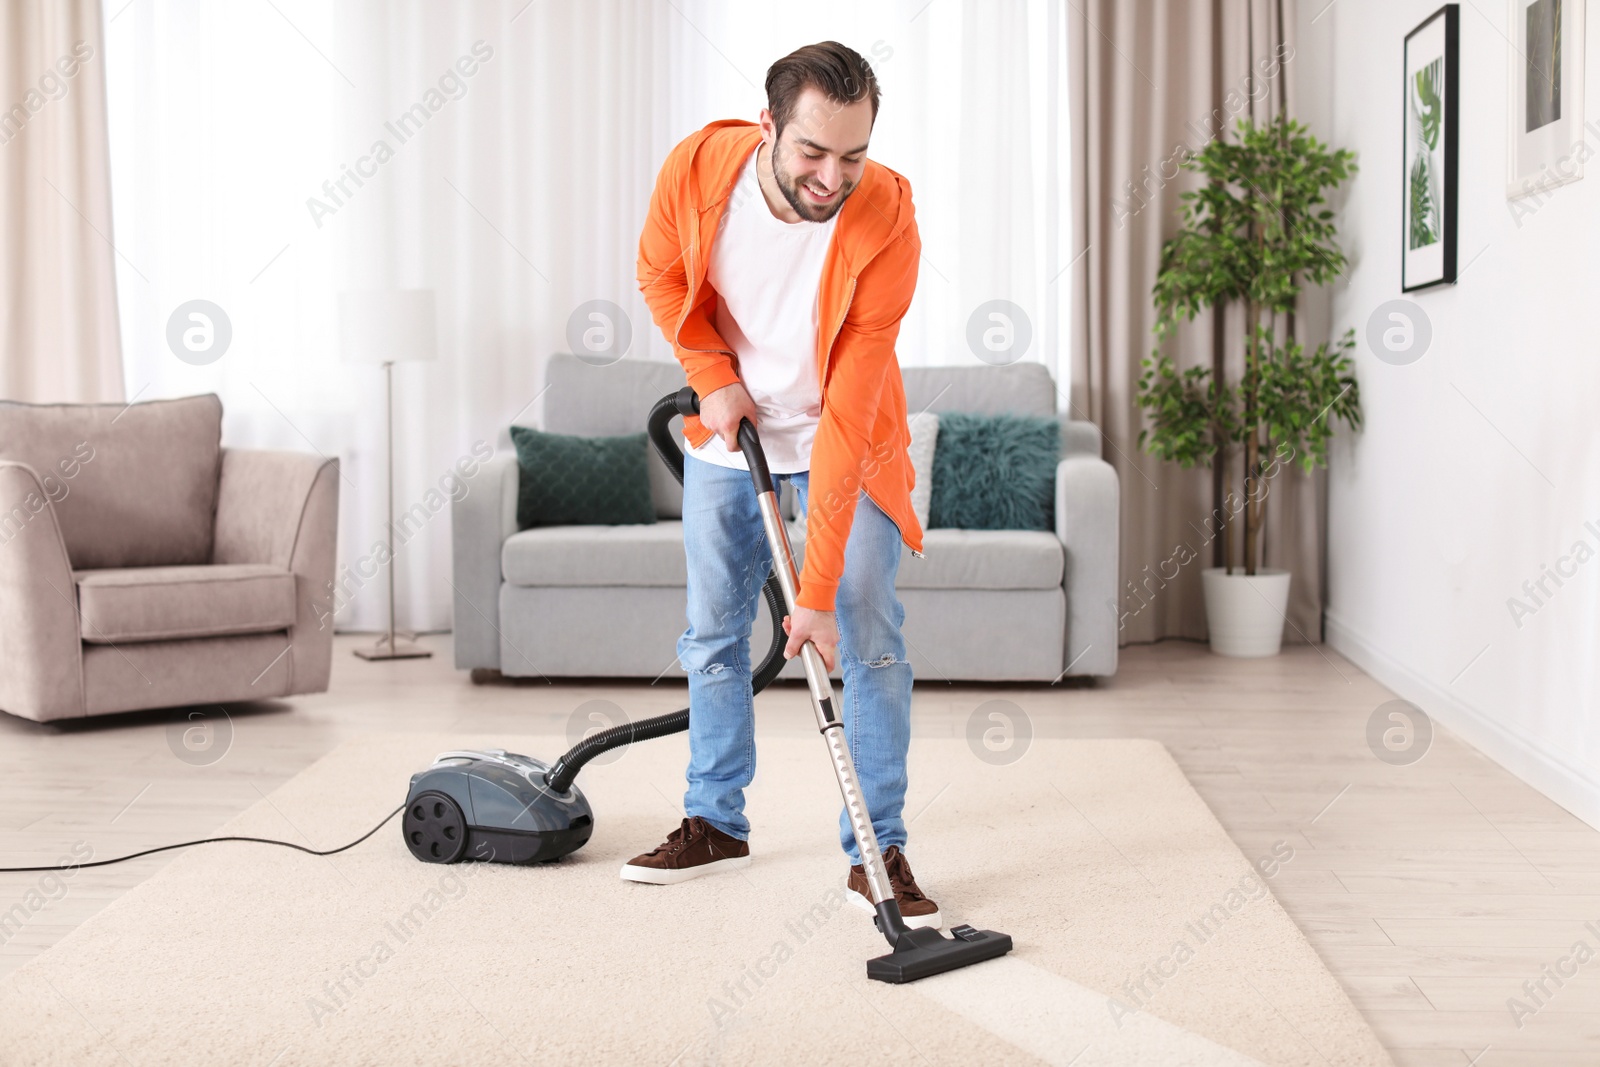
{"points": [[923, 953]]}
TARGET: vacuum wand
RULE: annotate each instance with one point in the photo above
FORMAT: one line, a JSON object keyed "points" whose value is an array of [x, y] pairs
{"points": [[821, 685], [918, 953]]}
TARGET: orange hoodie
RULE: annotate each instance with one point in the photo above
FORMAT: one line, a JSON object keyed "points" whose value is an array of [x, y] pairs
{"points": [[867, 282]]}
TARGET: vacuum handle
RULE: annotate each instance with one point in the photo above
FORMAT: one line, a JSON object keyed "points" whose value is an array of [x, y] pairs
{"points": [[688, 402], [783, 565]]}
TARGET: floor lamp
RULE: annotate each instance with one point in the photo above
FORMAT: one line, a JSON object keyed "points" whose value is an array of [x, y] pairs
{"points": [[388, 327]]}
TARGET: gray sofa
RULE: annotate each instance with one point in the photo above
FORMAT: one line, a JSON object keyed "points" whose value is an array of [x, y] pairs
{"points": [[609, 601], [143, 565]]}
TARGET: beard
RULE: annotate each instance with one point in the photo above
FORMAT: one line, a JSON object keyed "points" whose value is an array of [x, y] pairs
{"points": [[789, 186]]}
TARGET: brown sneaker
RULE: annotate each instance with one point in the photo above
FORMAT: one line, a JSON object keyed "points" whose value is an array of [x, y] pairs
{"points": [[694, 848], [917, 910]]}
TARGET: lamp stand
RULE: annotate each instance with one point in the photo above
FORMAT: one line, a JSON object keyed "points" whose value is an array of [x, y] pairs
{"points": [[392, 645]]}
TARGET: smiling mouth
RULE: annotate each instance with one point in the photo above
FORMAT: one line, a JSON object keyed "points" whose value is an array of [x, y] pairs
{"points": [[816, 195]]}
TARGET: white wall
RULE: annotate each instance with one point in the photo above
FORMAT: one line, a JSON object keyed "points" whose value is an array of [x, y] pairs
{"points": [[1480, 463]]}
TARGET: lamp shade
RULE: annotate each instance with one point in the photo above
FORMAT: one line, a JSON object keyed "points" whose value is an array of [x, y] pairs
{"points": [[387, 326]]}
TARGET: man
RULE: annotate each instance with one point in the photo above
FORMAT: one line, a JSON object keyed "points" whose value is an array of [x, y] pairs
{"points": [[779, 261]]}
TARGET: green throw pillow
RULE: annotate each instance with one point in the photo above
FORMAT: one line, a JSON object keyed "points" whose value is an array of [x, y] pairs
{"points": [[995, 472], [575, 481]]}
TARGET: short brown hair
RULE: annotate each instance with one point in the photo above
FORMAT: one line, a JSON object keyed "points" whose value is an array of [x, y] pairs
{"points": [[837, 71]]}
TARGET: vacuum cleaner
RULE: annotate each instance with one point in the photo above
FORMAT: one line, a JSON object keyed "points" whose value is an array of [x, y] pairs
{"points": [[503, 807]]}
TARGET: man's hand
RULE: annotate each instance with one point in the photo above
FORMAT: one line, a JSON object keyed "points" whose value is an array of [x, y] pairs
{"points": [[722, 410], [818, 627]]}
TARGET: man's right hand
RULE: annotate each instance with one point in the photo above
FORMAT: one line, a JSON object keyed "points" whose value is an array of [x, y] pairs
{"points": [[722, 410]]}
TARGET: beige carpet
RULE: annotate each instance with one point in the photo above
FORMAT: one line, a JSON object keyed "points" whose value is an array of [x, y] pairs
{"points": [[1143, 935]]}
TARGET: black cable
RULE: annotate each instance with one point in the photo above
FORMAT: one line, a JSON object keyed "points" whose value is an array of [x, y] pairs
{"points": [[207, 841]]}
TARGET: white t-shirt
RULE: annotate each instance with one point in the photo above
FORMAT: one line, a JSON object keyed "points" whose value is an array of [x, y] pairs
{"points": [[767, 273]]}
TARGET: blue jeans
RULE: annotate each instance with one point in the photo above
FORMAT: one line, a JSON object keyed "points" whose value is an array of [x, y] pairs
{"points": [[729, 559]]}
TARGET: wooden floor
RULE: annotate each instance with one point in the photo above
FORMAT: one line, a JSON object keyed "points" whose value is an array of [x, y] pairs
{"points": [[1434, 890]]}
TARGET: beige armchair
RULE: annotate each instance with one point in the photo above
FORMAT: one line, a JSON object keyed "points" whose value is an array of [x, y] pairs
{"points": [[142, 565]]}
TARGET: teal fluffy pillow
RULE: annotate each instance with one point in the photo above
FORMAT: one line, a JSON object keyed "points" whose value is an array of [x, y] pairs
{"points": [[995, 472], [576, 481]]}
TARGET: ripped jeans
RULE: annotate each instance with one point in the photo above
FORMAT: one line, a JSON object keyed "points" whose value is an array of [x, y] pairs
{"points": [[729, 559]]}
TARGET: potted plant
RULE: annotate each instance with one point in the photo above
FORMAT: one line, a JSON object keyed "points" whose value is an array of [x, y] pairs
{"points": [[1255, 233]]}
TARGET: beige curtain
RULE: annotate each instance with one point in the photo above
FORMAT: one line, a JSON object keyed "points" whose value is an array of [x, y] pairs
{"points": [[1151, 78], [59, 337]]}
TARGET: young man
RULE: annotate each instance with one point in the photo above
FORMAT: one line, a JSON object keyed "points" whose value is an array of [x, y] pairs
{"points": [[779, 261]]}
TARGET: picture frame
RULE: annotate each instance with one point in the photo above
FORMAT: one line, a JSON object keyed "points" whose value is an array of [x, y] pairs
{"points": [[1429, 150], [1544, 120]]}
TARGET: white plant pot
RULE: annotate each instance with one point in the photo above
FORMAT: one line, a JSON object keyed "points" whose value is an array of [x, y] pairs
{"points": [[1245, 614]]}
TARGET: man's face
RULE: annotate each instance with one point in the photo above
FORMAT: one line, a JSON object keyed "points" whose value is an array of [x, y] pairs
{"points": [[818, 159]]}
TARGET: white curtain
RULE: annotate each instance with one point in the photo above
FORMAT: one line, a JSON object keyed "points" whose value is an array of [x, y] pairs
{"points": [[517, 193], [58, 305]]}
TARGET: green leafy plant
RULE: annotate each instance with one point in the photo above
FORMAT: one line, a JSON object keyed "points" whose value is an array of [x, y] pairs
{"points": [[1256, 233], [1424, 230], [1429, 108]]}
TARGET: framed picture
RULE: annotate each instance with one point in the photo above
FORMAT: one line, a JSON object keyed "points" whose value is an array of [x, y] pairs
{"points": [[1545, 96], [1432, 92]]}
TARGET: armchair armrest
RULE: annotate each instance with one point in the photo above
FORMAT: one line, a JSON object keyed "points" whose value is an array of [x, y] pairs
{"points": [[41, 651], [480, 522], [282, 509], [1087, 521]]}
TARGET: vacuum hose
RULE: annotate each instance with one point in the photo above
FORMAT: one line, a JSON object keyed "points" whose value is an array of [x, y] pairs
{"points": [[561, 775]]}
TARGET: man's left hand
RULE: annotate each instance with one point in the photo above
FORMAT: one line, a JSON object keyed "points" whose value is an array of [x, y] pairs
{"points": [[818, 627]]}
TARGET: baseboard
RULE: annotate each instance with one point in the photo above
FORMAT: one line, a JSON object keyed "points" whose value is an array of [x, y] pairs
{"points": [[1575, 788]]}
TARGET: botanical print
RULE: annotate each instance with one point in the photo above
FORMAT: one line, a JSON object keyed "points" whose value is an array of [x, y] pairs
{"points": [[1425, 199]]}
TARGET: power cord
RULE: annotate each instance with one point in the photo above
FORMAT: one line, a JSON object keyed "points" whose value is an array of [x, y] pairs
{"points": [[207, 841]]}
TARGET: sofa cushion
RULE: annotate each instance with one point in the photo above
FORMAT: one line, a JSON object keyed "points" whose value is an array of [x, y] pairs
{"points": [[924, 427], [132, 485], [973, 559], [652, 555], [164, 603], [567, 479], [984, 559], [995, 472], [645, 554]]}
